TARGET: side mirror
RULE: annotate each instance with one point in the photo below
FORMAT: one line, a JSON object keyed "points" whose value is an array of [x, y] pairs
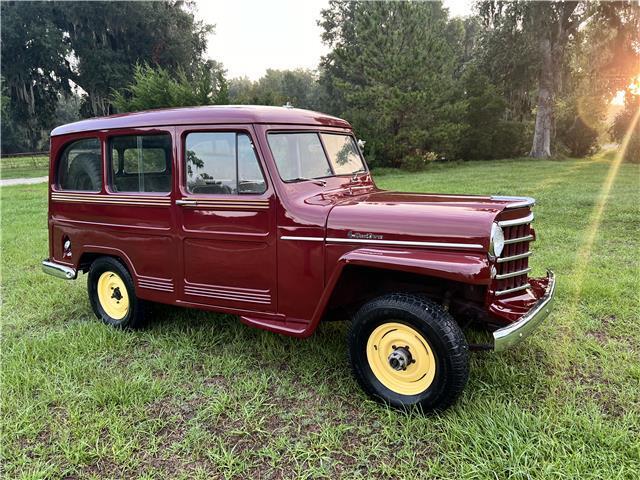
{"points": [[361, 144]]}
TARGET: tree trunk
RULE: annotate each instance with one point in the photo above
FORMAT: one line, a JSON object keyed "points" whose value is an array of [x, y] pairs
{"points": [[541, 147]]}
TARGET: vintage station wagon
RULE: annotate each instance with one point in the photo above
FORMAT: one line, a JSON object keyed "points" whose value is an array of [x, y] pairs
{"points": [[272, 214]]}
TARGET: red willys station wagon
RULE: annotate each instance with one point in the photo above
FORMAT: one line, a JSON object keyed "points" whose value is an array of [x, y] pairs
{"points": [[271, 214]]}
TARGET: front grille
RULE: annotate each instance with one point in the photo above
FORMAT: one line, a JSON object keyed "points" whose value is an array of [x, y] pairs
{"points": [[513, 264]]}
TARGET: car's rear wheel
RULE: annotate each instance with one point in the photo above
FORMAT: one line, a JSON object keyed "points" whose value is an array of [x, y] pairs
{"points": [[112, 294], [406, 350]]}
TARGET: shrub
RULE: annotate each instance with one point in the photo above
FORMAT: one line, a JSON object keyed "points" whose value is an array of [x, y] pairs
{"points": [[418, 161], [580, 138]]}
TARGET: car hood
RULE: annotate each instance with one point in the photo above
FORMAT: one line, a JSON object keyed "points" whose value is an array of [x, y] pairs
{"points": [[416, 219]]}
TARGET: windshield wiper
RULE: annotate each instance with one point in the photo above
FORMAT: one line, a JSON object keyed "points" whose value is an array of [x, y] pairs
{"points": [[316, 181]]}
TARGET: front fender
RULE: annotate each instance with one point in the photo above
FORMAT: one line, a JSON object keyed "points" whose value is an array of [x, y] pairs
{"points": [[469, 268]]}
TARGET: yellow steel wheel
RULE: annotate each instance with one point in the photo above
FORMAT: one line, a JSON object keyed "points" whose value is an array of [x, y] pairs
{"points": [[401, 359], [113, 296]]}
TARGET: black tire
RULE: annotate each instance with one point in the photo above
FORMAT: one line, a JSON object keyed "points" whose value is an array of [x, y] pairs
{"points": [[444, 338], [85, 173], [137, 308]]}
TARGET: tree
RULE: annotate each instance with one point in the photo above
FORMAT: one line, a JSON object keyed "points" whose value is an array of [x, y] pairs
{"points": [[542, 37], [277, 87], [157, 88], [110, 38], [392, 71], [48, 47], [35, 69], [626, 126]]}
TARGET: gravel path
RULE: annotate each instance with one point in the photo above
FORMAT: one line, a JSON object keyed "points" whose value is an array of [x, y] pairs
{"points": [[22, 181]]}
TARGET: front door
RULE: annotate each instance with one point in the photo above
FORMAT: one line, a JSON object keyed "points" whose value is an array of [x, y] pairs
{"points": [[225, 208]]}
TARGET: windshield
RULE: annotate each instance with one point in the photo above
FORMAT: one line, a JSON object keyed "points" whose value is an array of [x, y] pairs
{"points": [[301, 155]]}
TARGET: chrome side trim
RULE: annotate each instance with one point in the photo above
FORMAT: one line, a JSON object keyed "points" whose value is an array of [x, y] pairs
{"points": [[303, 239], [58, 270], [518, 202], [500, 293], [406, 243], [513, 274], [516, 221], [514, 257], [528, 238], [513, 334]]}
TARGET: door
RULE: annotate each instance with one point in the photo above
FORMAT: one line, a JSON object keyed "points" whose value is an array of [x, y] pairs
{"points": [[225, 209]]}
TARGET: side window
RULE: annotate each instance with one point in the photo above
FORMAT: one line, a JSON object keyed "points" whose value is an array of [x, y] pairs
{"points": [[80, 166], [222, 163], [140, 163]]}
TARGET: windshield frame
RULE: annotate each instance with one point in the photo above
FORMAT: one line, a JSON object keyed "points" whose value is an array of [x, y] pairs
{"points": [[318, 132]]}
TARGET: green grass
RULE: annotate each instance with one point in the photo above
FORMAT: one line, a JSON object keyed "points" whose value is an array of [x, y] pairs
{"points": [[200, 396], [24, 167]]}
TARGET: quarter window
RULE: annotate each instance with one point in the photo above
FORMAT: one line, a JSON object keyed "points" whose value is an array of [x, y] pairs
{"points": [[222, 163], [80, 166], [140, 163]]}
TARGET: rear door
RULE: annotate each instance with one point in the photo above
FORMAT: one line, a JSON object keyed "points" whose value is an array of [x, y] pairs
{"points": [[225, 210]]}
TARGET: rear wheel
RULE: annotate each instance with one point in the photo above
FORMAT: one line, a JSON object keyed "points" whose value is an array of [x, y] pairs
{"points": [[112, 294], [406, 351]]}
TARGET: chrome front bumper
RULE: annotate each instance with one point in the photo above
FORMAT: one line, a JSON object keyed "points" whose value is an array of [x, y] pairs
{"points": [[513, 334], [58, 270]]}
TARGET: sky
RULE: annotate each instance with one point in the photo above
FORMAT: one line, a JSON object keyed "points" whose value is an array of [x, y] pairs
{"points": [[253, 35]]}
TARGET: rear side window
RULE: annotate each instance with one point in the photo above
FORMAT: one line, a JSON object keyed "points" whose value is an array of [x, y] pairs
{"points": [[222, 163], [80, 166], [140, 163]]}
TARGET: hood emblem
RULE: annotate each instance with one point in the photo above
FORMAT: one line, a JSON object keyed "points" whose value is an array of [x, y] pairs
{"points": [[364, 236]]}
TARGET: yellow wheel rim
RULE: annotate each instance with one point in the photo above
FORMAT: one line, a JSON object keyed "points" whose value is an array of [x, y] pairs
{"points": [[113, 295], [410, 350]]}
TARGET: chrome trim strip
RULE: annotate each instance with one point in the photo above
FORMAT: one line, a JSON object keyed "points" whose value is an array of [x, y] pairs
{"points": [[528, 238], [406, 243], [514, 257], [512, 334], [303, 239], [58, 270], [227, 297], [151, 287], [516, 221], [513, 274], [500, 293], [519, 202], [214, 291]]}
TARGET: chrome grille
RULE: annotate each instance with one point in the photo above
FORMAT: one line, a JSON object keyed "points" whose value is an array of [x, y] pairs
{"points": [[513, 264]]}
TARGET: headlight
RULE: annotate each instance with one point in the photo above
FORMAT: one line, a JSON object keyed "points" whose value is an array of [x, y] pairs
{"points": [[496, 243]]}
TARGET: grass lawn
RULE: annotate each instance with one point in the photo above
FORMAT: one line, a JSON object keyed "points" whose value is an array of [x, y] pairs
{"points": [[200, 396], [24, 167]]}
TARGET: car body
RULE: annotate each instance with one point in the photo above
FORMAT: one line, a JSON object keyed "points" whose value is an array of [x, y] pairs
{"points": [[283, 251]]}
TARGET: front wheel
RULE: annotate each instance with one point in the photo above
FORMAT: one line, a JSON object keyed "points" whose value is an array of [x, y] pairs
{"points": [[406, 350], [113, 296]]}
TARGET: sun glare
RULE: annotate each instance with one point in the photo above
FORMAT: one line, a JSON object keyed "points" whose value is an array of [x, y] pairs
{"points": [[634, 86], [618, 98]]}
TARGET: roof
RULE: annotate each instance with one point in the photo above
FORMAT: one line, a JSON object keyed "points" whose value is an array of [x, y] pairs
{"points": [[214, 114]]}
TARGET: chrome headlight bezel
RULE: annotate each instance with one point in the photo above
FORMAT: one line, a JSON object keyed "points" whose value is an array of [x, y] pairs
{"points": [[496, 241]]}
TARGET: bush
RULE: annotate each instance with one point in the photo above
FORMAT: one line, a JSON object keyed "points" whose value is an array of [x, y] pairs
{"points": [[580, 138], [418, 161], [511, 139]]}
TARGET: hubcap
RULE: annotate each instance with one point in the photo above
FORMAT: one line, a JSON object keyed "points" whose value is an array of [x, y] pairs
{"points": [[113, 296], [401, 358]]}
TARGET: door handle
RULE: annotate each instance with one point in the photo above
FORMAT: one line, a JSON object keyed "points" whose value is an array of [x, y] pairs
{"points": [[186, 203]]}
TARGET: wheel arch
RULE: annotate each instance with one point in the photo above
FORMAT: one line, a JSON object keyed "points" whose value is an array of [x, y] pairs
{"points": [[92, 253], [363, 274]]}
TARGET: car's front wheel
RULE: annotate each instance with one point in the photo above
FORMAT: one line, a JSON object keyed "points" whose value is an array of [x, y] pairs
{"points": [[406, 350], [112, 294]]}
